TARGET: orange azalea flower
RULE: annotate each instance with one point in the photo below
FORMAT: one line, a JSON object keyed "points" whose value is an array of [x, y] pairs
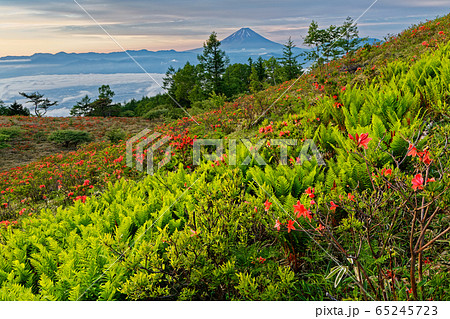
{"points": [[267, 205], [412, 151], [351, 197], [333, 206], [425, 157], [361, 140], [417, 182], [277, 225], [320, 227], [302, 211], [310, 192], [193, 233], [290, 225]]}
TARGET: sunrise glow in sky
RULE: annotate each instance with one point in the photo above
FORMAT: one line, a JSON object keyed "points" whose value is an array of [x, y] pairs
{"points": [[31, 26]]}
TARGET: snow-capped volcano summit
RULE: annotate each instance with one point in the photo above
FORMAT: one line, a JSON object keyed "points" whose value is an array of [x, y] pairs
{"points": [[246, 39]]}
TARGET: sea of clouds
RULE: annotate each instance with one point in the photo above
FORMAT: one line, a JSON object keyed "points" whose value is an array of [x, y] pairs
{"points": [[68, 89]]}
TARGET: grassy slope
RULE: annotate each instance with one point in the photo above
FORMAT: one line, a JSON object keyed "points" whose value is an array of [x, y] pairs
{"points": [[33, 145], [298, 113]]}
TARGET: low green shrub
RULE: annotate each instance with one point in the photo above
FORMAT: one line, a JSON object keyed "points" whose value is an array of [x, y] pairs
{"points": [[12, 131], [127, 113], [8, 133], [154, 114], [3, 139], [69, 137], [115, 135]]}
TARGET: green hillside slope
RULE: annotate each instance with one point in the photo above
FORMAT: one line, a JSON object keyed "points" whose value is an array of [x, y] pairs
{"points": [[373, 223]]}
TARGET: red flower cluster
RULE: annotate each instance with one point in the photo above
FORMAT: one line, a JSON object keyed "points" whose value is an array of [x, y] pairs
{"points": [[424, 156], [302, 211], [267, 205], [82, 198], [6, 223], [361, 140], [333, 206], [418, 181], [310, 192], [266, 129]]}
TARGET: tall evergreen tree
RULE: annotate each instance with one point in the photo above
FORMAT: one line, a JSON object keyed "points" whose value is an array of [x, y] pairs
{"points": [[274, 71], [168, 79], [260, 69], [349, 36], [185, 83], [291, 67], [330, 48], [250, 62], [255, 84], [315, 38], [331, 43], [214, 62], [82, 108], [103, 105]]}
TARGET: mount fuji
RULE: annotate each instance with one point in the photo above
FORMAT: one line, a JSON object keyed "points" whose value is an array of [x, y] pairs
{"points": [[246, 43], [246, 39]]}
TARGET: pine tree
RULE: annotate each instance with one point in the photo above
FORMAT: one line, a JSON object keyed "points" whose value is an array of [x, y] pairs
{"points": [[184, 81], [82, 108], [18, 109], [273, 70], [255, 84], [315, 38], [214, 62], [349, 40], [250, 62], [331, 48], [236, 79], [331, 43], [103, 105], [168, 79], [40, 104], [291, 67], [260, 69]]}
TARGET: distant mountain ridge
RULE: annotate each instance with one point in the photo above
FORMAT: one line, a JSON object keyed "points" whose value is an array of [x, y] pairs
{"points": [[239, 46]]}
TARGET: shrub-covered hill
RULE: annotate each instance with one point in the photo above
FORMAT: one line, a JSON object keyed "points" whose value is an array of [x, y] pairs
{"points": [[25, 139], [371, 224]]}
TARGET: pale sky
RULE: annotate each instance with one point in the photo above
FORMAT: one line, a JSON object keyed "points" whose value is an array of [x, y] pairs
{"points": [[31, 26]]}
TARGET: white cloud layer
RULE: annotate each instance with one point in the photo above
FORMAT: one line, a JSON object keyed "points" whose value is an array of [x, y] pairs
{"points": [[67, 89]]}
